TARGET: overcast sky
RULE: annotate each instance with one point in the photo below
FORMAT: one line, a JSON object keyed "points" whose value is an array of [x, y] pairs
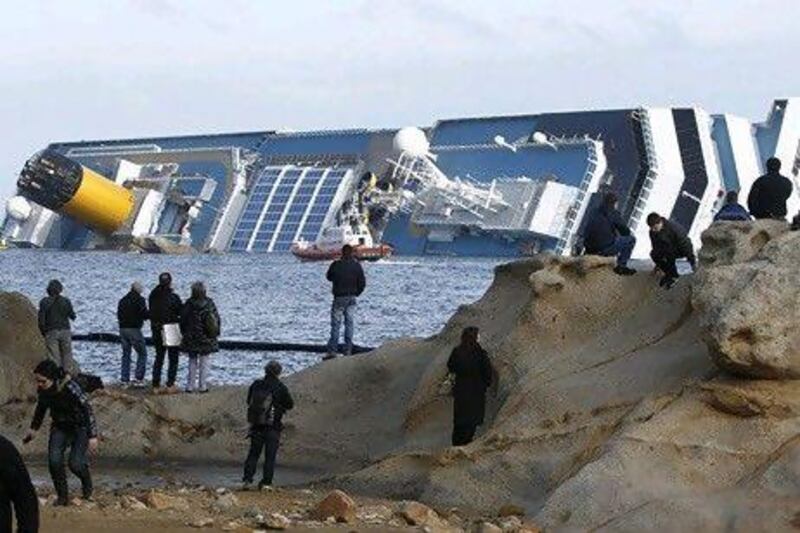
{"points": [[127, 68]]}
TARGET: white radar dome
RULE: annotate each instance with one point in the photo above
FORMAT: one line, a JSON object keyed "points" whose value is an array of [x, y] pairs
{"points": [[411, 141], [540, 138], [18, 208]]}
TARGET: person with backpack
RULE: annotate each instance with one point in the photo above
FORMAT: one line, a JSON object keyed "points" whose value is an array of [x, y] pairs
{"points": [[165, 309], [200, 328], [470, 365], [131, 314], [73, 426], [55, 313], [16, 491], [267, 400]]}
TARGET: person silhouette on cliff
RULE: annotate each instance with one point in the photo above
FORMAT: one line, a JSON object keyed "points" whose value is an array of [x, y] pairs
{"points": [[470, 365]]}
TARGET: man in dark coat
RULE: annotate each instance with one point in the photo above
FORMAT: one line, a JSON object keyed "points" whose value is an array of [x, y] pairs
{"points": [[267, 400], [732, 210], [16, 490], [470, 365], [200, 327], [131, 315], [767, 198], [55, 314], [349, 282], [606, 234], [670, 243], [165, 308], [73, 426]]}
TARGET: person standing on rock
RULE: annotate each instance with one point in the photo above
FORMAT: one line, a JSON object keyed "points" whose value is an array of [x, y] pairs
{"points": [[670, 243], [131, 314], [200, 327], [349, 282], [72, 426], [267, 400], [470, 365], [732, 210], [16, 491], [607, 235], [55, 313], [768, 195], [165, 308]]}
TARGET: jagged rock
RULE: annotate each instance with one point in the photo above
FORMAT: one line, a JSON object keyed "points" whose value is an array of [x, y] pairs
{"points": [[337, 505], [21, 347], [487, 527], [510, 524], [748, 305], [161, 502], [129, 502], [728, 243]]}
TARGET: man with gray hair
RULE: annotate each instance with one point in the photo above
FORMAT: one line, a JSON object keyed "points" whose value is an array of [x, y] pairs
{"points": [[132, 313]]}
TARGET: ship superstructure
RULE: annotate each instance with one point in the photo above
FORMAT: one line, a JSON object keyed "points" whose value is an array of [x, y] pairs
{"points": [[490, 186]]}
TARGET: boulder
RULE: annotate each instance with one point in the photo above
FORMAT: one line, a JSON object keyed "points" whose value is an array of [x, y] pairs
{"points": [[337, 505], [418, 514], [746, 299], [21, 346], [276, 522], [225, 502]]}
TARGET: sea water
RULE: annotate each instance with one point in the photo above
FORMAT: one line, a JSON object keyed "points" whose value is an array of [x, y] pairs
{"points": [[271, 298]]}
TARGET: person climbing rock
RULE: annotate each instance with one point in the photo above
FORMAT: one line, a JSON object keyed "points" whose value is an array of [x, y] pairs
{"points": [[670, 243], [267, 401], [18, 498], [607, 235], [472, 369], [768, 195], [72, 426]]}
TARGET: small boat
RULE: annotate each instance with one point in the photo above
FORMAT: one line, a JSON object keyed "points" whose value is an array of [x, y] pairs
{"points": [[329, 245]]}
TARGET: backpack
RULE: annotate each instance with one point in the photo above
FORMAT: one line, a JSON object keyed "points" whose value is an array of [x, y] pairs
{"points": [[210, 324], [261, 410]]}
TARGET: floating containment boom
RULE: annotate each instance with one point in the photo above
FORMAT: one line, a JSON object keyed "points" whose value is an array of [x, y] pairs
{"points": [[67, 187]]}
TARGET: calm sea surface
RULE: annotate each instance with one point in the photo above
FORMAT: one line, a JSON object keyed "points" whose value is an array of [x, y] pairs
{"points": [[260, 297]]}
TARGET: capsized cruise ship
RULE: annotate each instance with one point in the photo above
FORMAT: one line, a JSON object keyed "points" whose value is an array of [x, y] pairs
{"points": [[489, 186]]}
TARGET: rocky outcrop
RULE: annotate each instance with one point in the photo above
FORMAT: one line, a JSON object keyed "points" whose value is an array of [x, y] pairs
{"points": [[747, 296], [21, 346], [610, 410]]}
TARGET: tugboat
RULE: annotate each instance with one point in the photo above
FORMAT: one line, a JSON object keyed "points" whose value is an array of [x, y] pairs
{"points": [[329, 245]]}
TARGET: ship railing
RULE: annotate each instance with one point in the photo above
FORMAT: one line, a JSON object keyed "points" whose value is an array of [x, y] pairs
{"points": [[566, 238], [635, 218]]}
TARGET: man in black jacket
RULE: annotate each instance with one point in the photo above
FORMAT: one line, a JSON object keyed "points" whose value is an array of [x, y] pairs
{"points": [[16, 490], [131, 314], [165, 308], [55, 313], [767, 198], [267, 400], [73, 426], [348, 281], [670, 243], [607, 235]]}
